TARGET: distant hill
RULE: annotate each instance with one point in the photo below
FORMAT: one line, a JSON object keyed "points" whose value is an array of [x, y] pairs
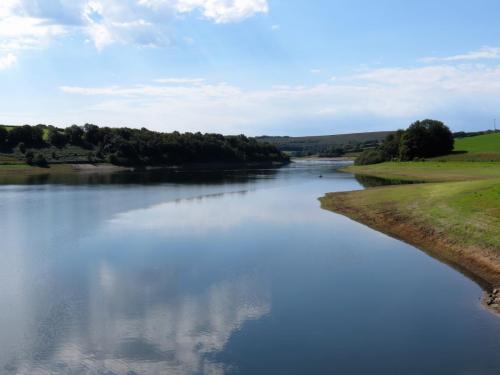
{"points": [[323, 144]]}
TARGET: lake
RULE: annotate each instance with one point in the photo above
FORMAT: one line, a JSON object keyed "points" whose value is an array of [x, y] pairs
{"points": [[223, 272]]}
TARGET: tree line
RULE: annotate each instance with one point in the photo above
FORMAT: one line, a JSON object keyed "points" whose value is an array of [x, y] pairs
{"points": [[423, 139], [134, 147]]}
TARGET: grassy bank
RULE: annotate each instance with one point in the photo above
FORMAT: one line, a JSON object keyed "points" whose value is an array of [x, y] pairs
{"points": [[430, 171], [455, 217]]}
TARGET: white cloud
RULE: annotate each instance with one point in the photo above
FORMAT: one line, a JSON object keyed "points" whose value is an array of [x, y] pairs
{"points": [[28, 24], [220, 11], [23, 32], [7, 61], [484, 53], [391, 94], [275, 27], [193, 81], [107, 22]]}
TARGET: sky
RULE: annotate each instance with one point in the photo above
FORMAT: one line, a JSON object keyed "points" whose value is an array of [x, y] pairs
{"points": [[274, 67]]}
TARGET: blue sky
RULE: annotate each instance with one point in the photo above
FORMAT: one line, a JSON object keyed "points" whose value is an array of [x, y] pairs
{"points": [[292, 67]]}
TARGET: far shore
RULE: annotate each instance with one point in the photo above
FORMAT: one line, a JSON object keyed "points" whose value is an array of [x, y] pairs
{"points": [[27, 170], [324, 158], [455, 222]]}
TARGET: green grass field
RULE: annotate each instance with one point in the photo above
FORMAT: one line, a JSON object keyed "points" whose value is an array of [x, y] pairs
{"points": [[431, 171], [480, 143], [479, 148]]}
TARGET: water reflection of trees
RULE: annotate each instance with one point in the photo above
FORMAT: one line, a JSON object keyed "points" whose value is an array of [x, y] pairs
{"points": [[369, 181], [153, 176]]}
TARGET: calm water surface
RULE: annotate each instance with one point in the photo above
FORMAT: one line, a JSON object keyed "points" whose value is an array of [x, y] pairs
{"points": [[223, 273]]}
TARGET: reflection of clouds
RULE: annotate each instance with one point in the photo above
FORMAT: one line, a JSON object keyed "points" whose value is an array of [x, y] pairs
{"points": [[209, 213], [14, 307], [172, 336]]}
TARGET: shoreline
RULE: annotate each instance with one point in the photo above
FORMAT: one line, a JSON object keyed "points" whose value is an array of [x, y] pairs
{"points": [[476, 261], [27, 170]]}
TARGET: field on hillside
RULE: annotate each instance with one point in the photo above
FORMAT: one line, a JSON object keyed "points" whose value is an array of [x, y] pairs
{"points": [[478, 148], [67, 154], [480, 143]]}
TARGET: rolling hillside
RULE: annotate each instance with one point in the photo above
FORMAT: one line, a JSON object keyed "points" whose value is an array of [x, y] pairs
{"points": [[321, 144]]}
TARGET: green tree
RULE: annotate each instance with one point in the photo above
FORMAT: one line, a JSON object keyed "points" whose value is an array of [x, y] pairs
{"points": [[20, 134], [392, 144], [3, 135], [91, 134], [56, 137], [426, 138], [74, 135]]}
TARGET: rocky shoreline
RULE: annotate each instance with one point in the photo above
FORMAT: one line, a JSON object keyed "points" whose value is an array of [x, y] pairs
{"points": [[491, 300]]}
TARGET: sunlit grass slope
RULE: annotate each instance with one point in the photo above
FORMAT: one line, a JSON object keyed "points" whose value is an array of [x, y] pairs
{"points": [[478, 148], [435, 171], [480, 143]]}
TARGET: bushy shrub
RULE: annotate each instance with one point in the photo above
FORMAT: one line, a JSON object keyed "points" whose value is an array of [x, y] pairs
{"points": [[370, 157], [29, 157], [40, 160]]}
